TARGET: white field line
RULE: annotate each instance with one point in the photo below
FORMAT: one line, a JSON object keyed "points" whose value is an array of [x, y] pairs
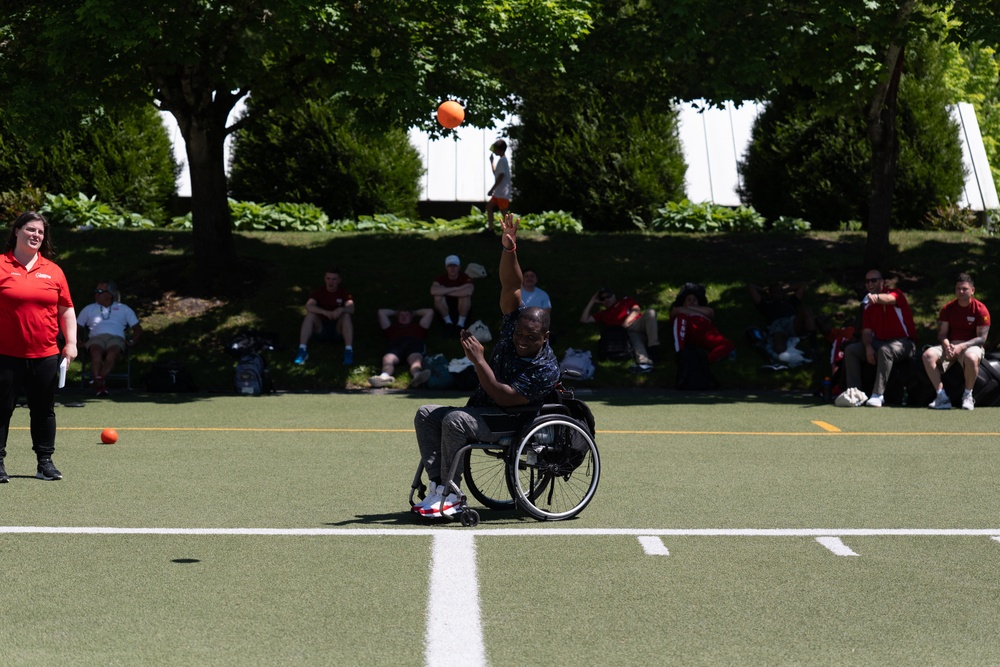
{"points": [[653, 545], [454, 632], [835, 545], [516, 532]]}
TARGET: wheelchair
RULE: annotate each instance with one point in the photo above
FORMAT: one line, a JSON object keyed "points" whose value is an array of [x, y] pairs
{"points": [[545, 464]]}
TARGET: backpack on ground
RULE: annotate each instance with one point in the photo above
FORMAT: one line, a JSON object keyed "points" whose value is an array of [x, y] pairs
{"points": [[252, 377], [577, 365], [169, 376], [614, 344], [693, 373], [440, 377]]}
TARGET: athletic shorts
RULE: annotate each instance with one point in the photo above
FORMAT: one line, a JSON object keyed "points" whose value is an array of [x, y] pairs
{"points": [[501, 204], [104, 341], [977, 350]]}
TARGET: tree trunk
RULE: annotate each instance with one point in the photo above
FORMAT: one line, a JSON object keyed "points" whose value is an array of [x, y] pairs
{"points": [[214, 247], [884, 142], [201, 116]]}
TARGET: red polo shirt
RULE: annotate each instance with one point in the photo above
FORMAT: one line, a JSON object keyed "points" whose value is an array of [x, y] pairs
{"points": [[29, 307]]}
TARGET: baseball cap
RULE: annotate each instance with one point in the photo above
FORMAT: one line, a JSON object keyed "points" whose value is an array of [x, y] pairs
{"points": [[452, 259]]}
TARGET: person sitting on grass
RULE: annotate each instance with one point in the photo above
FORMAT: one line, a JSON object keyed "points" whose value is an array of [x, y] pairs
{"points": [[452, 292], [404, 340], [328, 317], [641, 326], [523, 370]]}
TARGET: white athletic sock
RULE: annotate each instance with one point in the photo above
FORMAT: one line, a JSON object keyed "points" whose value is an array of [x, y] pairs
{"points": [[461, 321]]}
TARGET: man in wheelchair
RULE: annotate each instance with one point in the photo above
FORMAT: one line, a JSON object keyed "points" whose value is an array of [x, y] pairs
{"points": [[522, 372]]}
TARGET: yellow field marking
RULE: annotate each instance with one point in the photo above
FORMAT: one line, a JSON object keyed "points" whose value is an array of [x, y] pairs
{"points": [[827, 427], [795, 434]]}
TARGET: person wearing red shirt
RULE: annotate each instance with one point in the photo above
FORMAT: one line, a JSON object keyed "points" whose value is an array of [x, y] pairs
{"points": [[34, 305], [963, 326], [643, 331], [328, 317], [888, 335], [452, 292], [404, 342]]}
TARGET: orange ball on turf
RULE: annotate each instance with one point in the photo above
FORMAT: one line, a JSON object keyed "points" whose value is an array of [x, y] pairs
{"points": [[109, 436], [451, 114]]}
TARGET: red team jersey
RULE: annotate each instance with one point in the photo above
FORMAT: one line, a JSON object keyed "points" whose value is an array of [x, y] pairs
{"points": [[962, 322], [29, 307]]}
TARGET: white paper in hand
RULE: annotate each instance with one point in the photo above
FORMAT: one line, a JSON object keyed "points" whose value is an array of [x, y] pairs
{"points": [[63, 365]]}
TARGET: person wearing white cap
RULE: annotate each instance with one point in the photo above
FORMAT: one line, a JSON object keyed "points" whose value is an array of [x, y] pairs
{"points": [[452, 292]]}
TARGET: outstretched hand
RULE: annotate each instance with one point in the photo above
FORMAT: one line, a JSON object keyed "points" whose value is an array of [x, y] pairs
{"points": [[508, 230], [473, 349]]}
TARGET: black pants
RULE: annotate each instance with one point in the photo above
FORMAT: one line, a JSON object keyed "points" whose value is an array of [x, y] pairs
{"points": [[37, 378]]}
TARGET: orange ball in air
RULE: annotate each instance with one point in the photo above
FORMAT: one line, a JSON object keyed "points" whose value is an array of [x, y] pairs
{"points": [[451, 114], [109, 436]]}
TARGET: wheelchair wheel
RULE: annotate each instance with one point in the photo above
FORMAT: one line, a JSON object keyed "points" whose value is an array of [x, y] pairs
{"points": [[486, 479], [554, 470]]}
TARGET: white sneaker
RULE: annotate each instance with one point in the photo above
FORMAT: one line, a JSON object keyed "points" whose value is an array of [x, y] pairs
{"points": [[436, 495], [382, 380], [968, 403], [940, 402], [874, 402], [451, 505]]}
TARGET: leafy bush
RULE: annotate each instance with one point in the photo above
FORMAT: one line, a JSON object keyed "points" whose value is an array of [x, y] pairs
{"points": [[805, 162], [551, 221], [249, 216], [317, 154], [15, 202], [88, 212], [124, 159], [608, 169], [951, 218], [684, 216]]}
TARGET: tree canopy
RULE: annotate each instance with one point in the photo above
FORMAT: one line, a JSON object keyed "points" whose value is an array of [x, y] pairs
{"points": [[390, 62]]}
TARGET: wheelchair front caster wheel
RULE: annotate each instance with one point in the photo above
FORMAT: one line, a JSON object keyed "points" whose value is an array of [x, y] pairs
{"points": [[470, 518]]}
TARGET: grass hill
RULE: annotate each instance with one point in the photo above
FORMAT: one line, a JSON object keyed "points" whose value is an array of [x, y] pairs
{"points": [[280, 269]]}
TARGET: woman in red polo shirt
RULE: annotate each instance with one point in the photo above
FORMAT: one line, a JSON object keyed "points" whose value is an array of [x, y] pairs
{"points": [[34, 304]]}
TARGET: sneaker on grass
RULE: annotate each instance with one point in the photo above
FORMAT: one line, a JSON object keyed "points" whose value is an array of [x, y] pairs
{"points": [[348, 357], [420, 378], [382, 380], [4, 477], [875, 402], [302, 356], [940, 402], [968, 403], [47, 470]]}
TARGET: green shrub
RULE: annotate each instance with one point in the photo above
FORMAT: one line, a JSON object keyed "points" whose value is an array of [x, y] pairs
{"points": [[88, 212], [124, 159], [608, 169], [317, 154], [685, 216], [249, 216], [15, 202], [804, 162]]}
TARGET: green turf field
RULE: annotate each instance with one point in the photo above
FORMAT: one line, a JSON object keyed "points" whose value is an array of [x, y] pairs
{"points": [[729, 529]]}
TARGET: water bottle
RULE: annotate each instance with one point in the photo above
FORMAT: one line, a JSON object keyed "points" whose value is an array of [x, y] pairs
{"points": [[826, 389]]}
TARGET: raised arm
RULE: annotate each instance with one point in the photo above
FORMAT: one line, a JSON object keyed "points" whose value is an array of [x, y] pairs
{"points": [[425, 317], [510, 269]]}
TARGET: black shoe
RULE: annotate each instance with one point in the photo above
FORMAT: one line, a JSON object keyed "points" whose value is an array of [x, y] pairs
{"points": [[4, 478], [47, 471]]}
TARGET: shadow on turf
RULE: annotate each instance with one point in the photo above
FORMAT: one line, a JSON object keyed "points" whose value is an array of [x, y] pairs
{"points": [[411, 519]]}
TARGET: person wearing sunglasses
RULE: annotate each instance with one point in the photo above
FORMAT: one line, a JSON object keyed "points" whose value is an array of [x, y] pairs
{"points": [[888, 335], [35, 304], [110, 328]]}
